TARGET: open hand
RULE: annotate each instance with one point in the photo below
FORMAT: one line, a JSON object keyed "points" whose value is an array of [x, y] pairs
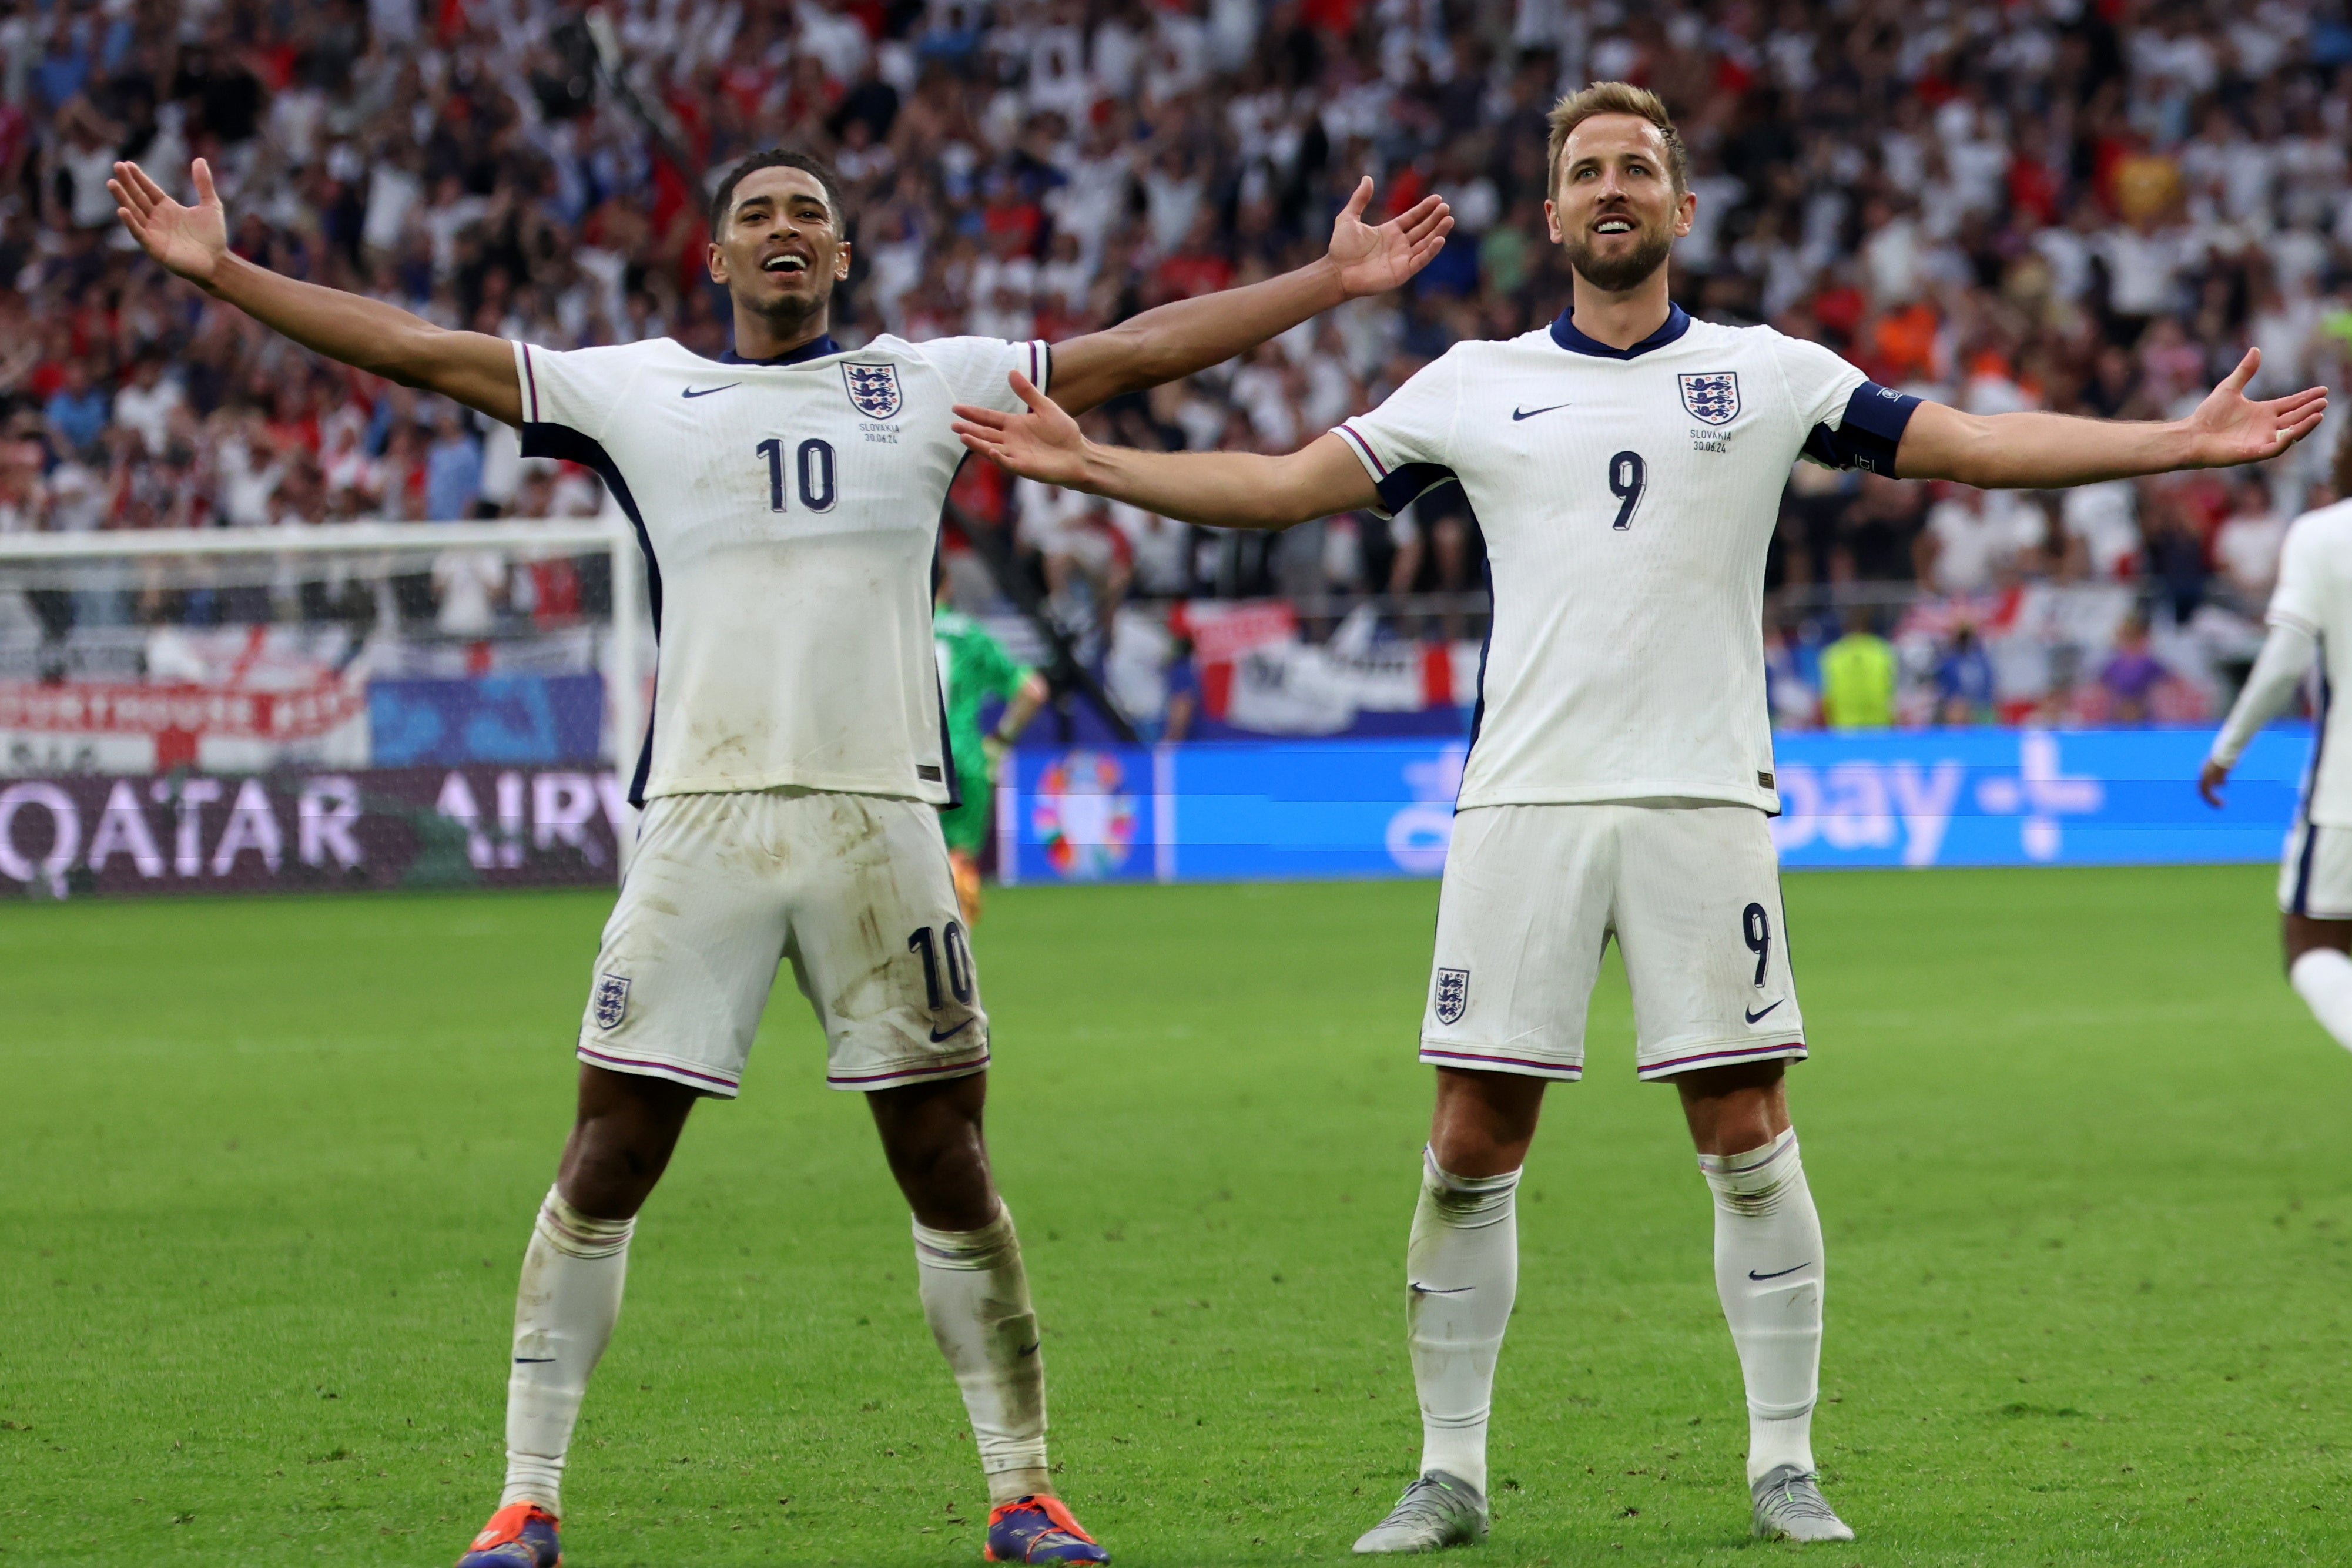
{"points": [[1042, 443], [2229, 428], [1374, 260], [2210, 779], [190, 241]]}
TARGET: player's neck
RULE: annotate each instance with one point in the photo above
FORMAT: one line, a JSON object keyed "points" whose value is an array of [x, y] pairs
{"points": [[1621, 319], [760, 338]]}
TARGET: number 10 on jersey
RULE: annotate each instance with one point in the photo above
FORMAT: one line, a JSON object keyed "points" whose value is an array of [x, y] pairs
{"points": [[812, 466]]}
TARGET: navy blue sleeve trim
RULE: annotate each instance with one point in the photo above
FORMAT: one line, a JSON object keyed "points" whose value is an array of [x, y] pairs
{"points": [[1407, 484], [947, 757], [1876, 418], [544, 440]]}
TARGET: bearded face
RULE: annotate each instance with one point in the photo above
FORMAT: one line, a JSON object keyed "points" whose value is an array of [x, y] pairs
{"points": [[1616, 210], [1619, 252]]}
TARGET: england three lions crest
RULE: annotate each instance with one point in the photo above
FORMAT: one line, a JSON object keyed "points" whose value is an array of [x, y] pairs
{"points": [[610, 1003], [1713, 397], [1453, 995], [873, 389]]}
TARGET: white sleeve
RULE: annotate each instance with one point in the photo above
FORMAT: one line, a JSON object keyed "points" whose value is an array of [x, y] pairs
{"points": [[975, 368], [2295, 602], [1406, 444], [1849, 420], [574, 390], [2287, 658], [1819, 382]]}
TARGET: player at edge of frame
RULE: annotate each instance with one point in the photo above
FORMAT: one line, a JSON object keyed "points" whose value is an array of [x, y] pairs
{"points": [[786, 497], [2310, 617], [1626, 463]]}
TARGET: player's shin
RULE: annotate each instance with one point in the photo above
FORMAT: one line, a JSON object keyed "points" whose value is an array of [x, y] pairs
{"points": [[564, 1311], [1461, 1268], [1767, 1270], [976, 1297]]}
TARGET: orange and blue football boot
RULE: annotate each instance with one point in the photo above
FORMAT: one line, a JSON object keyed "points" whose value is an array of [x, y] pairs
{"points": [[520, 1535], [1039, 1530]]}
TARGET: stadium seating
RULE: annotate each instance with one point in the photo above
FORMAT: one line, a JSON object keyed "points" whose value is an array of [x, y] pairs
{"points": [[2023, 205]]}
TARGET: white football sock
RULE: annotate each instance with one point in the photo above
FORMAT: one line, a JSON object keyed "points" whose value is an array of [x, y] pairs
{"points": [[1461, 1268], [2322, 978], [976, 1297], [1767, 1270], [564, 1311]]}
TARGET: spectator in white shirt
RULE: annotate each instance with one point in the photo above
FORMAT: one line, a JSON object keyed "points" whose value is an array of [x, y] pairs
{"points": [[2247, 546], [1973, 538], [146, 405]]}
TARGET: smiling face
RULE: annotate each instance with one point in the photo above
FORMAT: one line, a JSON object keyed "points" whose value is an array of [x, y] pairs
{"points": [[781, 249], [1614, 208]]}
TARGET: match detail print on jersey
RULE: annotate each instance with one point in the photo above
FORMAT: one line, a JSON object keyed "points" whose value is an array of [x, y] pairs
{"points": [[788, 528], [1626, 535]]}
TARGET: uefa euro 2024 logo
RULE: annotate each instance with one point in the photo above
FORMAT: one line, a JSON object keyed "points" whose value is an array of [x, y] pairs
{"points": [[1083, 819]]}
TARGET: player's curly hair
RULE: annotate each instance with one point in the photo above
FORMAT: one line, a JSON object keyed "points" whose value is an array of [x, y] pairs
{"points": [[780, 158], [1616, 98]]}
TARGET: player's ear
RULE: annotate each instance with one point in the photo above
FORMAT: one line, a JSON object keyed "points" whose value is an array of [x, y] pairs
{"points": [[1685, 210], [841, 262], [716, 260]]}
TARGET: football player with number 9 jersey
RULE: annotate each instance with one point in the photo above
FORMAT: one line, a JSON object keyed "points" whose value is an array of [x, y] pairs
{"points": [[1626, 464], [787, 497]]}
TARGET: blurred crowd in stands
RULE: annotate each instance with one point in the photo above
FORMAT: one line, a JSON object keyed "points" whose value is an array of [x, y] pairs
{"points": [[2089, 205]]}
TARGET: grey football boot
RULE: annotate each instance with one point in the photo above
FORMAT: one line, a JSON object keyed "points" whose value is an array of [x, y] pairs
{"points": [[1789, 1507], [1436, 1511]]}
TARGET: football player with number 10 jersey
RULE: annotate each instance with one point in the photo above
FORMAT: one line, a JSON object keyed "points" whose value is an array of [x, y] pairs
{"points": [[1626, 464], [787, 497]]}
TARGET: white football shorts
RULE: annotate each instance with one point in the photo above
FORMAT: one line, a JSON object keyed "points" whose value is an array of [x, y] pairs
{"points": [[853, 890], [1533, 893], [2315, 873]]}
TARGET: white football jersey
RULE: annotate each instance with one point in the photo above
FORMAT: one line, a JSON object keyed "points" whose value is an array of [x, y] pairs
{"points": [[788, 510], [1627, 498], [2314, 596]]}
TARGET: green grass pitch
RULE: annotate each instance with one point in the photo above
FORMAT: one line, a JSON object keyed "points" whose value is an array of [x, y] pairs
{"points": [[2080, 1153]]}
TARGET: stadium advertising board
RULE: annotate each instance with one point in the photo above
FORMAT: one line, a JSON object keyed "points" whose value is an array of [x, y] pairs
{"points": [[373, 827], [1240, 811], [1216, 812]]}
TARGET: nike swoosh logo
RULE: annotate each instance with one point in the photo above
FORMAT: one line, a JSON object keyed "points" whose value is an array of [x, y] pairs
{"points": [[1778, 1272], [1753, 1017], [706, 391], [1031, 1348], [1421, 1289], [1519, 414], [533, 1360], [937, 1036]]}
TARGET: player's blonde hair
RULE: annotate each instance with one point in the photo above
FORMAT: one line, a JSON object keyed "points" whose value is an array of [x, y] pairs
{"points": [[1616, 98]]}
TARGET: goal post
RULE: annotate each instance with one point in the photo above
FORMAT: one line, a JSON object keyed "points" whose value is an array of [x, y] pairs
{"points": [[368, 704]]}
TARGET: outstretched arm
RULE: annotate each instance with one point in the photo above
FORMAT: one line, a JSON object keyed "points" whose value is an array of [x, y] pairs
{"points": [[476, 369], [2047, 451], [1173, 340], [1218, 490]]}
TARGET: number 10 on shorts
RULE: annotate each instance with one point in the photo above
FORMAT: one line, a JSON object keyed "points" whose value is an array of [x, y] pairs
{"points": [[957, 954]]}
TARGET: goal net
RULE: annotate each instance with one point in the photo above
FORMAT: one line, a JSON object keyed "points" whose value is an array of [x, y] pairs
{"points": [[350, 705]]}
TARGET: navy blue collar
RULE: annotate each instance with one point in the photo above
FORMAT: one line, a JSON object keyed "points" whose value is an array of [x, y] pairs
{"points": [[1564, 333], [817, 348]]}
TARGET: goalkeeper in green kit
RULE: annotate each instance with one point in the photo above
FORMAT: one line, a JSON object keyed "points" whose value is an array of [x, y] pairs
{"points": [[973, 667]]}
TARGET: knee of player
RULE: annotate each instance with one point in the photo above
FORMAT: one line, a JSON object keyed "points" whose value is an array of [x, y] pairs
{"points": [[1752, 1183], [608, 1175]]}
